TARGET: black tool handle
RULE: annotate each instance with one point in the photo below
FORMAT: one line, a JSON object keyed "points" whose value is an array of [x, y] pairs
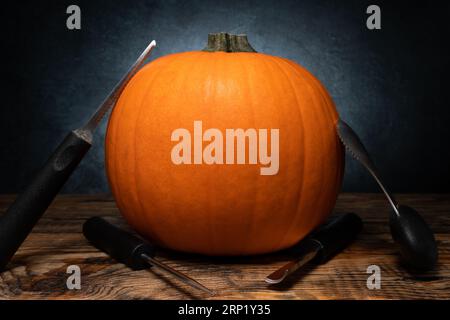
{"points": [[24, 213], [335, 235], [117, 243]]}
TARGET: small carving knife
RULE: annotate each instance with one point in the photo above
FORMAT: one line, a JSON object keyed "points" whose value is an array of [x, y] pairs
{"points": [[20, 218], [129, 249], [321, 245]]}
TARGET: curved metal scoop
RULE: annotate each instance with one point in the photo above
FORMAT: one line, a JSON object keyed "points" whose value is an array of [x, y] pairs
{"points": [[408, 229]]}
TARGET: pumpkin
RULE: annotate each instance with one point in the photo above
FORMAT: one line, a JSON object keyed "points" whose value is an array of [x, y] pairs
{"points": [[219, 208]]}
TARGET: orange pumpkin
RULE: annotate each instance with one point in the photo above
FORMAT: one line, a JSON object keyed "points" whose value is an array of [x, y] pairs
{"points": [[224, 209]]}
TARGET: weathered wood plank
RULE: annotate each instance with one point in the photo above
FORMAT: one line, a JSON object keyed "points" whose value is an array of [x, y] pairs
{"points": [[38, 271]]}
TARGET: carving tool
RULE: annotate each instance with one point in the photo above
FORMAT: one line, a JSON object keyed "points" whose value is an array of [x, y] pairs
{"points": [[321, 245], [129, 249], [409, 230], [24, 213]]}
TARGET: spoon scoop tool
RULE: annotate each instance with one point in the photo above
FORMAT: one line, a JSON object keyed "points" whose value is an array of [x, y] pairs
{"points": [[19, 219], [408, 229], [129, 249]]}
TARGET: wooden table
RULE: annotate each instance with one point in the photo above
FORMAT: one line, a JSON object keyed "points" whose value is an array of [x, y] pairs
{"points": [[38, 271]]}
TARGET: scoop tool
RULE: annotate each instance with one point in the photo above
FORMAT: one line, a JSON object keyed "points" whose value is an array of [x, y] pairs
{"points": [[408, 229]]}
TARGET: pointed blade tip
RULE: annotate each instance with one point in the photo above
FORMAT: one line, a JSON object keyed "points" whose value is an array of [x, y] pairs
{"points": [[212, 293], [270, 280]]}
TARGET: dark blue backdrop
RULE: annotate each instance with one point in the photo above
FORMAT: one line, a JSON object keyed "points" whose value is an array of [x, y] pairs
{"points": [[390, 84]]}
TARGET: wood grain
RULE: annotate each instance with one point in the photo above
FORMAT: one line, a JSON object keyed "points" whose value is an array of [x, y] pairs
{"points": [[38, 271]]}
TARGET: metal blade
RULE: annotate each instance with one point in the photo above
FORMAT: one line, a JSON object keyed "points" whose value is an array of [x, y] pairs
{"points": [[308, 252], [353, 144], [87, 130], [186, 279]]}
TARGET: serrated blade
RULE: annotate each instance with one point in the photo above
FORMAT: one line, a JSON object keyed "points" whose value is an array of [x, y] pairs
{"points": [[111, 99], [353, 144]]}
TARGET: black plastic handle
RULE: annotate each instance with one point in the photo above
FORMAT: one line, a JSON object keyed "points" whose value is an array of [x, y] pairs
{"points": [[117, 243], [24, 213], [336, 235]]}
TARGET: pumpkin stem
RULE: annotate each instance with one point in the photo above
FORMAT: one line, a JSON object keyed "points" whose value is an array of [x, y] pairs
{"points": [[228, 42]]}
